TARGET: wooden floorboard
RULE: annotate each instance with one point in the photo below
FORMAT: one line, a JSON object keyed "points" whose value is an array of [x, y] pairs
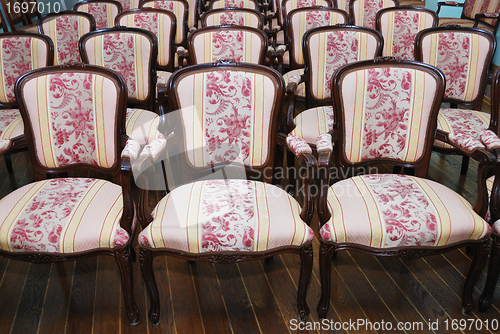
{"points": [[251, 297]]}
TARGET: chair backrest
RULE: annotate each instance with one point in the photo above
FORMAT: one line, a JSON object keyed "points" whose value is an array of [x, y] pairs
{"points": [[193, 16], [288, 5], [227, 111], [103, 11], [132, 52], [180, 8], [399, 25], [473, 7], [241, 44], [21, 52], [386, 112], [464, 55], [250, 4], [160, 22], [129, 4], [238, 16], [65, 29], [328, 48], [300, 20], [363, 12], [73, 115]]}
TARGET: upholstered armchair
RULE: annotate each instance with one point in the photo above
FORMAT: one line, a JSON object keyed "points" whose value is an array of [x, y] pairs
{"points": [[399, 26], [65, 29], [103, 11], [386, 113], [74, 120], [21, 52], [226, 122], [464, 55], [483, 14]]}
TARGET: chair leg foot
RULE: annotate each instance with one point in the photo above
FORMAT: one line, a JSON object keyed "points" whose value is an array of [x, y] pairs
{"points": [[306, 259], [326, 253], [124, 259], [8, 163], [146, 263], [486, 297], [465, 165], [475, 270]]}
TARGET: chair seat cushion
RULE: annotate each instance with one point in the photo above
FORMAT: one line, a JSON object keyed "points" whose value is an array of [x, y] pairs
{"points": [[142, 125], [391, 210], [226, 215], [64, 215], [444, 21], [310, 123], [11, 126], [461, 123], [301, 89]]}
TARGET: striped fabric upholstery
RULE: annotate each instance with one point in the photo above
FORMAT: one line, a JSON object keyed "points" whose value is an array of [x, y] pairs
{"points": [[62, 216], [227, 115], [19, 55], [104, 13], [69, 119], [129, 4], [445, 21], [384, 114], [462, 57], [301, 89], [142, 125], [233, 3], [289, 5], [420, 212], [159, 24], [399, 29], [232, 16], [471, 8], [364, 11], [302, 21], [179, 10], [238, 45], [226, 215], [461, 123], [11, 126], [310, 123], [65, 31]]}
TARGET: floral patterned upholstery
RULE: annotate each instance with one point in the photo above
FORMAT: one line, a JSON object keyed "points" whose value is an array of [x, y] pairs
{"points": [[289, 5], [471, 8], [104, 13], [65, 30], [232, 16], [297, 145], [11, 126], [227, 116], [129, 4], [389, 210], [324, 142], [233, 3], [226, 215], [463, 58], [226, 43], [399, 27], [365, 11], [384, 113], [179, 10], [62, 216], [72, 124], [312, 122]]}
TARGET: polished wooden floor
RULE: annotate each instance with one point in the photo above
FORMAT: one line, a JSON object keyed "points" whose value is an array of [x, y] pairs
{"points": [[253, 297]]}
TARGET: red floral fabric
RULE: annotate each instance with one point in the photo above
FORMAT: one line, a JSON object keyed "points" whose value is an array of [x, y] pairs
{"points": [[227, 45], [16, 60], [67, 36], [8, 119], [465, 127], [232, 18], [370, 11], [100, 13], [490, 139], [324, 142], [297, 145], [405, 27]]}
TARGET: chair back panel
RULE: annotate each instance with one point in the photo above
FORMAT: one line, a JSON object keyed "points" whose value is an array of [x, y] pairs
{"points": [[65, 30], [228, 115], [363, 12], [241, 17], [127, 53], [160, 23], [104, 12], [288, 5], [180, 10], [249, 4], [18, 55], [129, 4], [464, 55], [211, 44], [399, 28], [303, 19], [471, 8], [329, 48], [387, 113], [71, 120]]}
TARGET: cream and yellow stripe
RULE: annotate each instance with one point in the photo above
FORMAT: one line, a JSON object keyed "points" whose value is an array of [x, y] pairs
{"points": [[208, 47], [389, 43], [98, 49], [198, 117], [3, 88], [111, 223], [247, 47], [45, 121], [13, 216], [375, 213], [110, 17], [300, 229], [99, 132], [471, 82], [322, 55], [52, 25], [257, 141], [357, 137], [298, 44], [7, 132], [180, 27], [336, 222], [140, 89], [194, 218], [163, 52], [414, 116], [261, 212]]}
